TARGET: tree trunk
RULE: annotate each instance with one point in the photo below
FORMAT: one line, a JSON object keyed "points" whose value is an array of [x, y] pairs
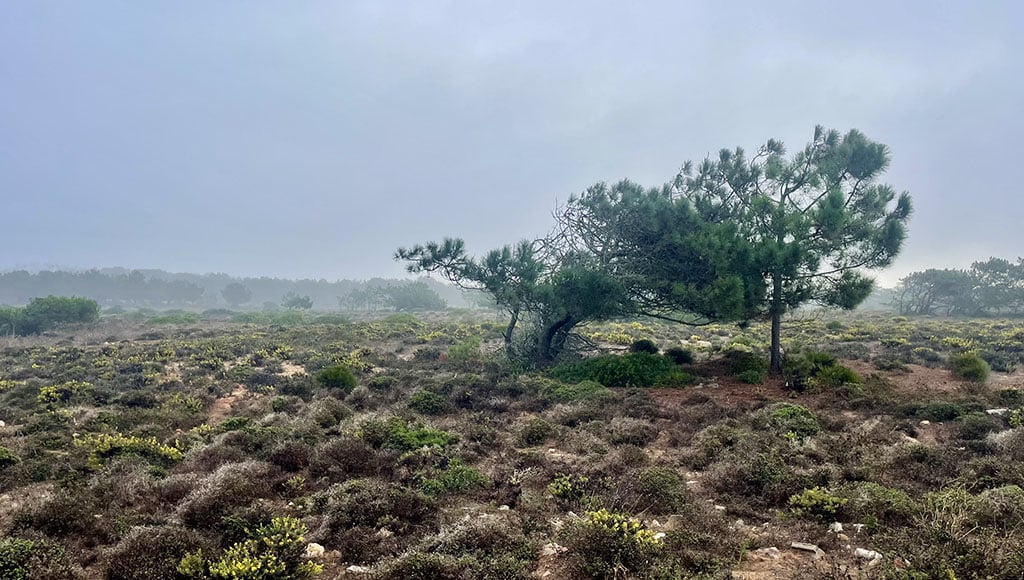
{"points": [[507, 335], [548, 351], [776, 312]]}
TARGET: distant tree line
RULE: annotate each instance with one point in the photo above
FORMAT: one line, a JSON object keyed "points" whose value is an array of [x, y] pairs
{"points": [[992, 287], [43, 314], [162, 290]]}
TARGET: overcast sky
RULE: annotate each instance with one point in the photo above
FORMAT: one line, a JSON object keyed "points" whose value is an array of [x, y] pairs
{"points": [[310, 139]]}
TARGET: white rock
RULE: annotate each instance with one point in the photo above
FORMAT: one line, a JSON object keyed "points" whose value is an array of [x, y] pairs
{"points": [[2, 424], [314, 550], [835, 527], [384, 533], [503, 508], [720, 508], [551, 548], [857, 527], [739, 523], [659, 536], [925, 422], [804, 546], [358, 569], [867, 554], [999, 412]]}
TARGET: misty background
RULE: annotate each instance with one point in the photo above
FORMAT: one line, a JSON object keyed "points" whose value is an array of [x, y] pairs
{"points": [[309, 140]]}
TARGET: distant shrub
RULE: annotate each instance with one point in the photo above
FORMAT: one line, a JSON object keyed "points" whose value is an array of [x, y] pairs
{"points": [[42, 314], [627, 430], [148, 552], [397, 435], [818, 502], [535, 432], [579, 392], [103, 446], [940, 411], [660, 488], [969, 366], [175, 317], [466, 351], [817, 369], [638, 369], [25, 559], [977, 425], [457, 477], [867, 501], [8, 458], [429, 403], [644, 345], [679, 355], [795, 419], [337, 377], [926, 354]]}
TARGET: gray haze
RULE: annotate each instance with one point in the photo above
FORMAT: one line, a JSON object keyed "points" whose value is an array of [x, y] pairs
{"points": [[309, 139]]}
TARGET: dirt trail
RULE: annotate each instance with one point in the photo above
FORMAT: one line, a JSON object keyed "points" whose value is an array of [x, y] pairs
{"points": [[222, 406]]}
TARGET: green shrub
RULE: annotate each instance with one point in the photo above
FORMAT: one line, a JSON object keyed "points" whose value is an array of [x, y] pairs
{"points": [[466, 351], [969, 366], [429, 403], [568, 489], [748, 367], [272, 552], [638, 369], [579, 392], [457, 477], [837, 376], [939, 411], [104, 446], [795, 419], [8, 458], [679, 355], [337, 377], [818, 502], [24, 559], [868, 501], [397, 435], [926, 354], [977, 425], [535, 432], [644, 345], [610, 544], [660, 489], [14, 558]]}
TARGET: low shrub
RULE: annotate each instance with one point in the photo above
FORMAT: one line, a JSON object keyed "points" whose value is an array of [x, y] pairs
{"points": [[969, 366], [974, 426], [272, 552], [627, 430], [867, 501], [795, 419], [337, 377], [25, 559], [818, 502], [579, 392], [8, 458], [429, 403], [637, 369], [644, 345], [679, 355], [748, 367], [104, 446], [535, 432], [148, 552], [457, 477], [397, 435], [608, 544]]}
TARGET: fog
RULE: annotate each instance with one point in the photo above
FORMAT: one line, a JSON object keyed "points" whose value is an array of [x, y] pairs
{"points": [[311, 140]]}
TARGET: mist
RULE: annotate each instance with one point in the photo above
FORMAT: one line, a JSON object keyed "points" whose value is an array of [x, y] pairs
{"points": [[311, 142]]}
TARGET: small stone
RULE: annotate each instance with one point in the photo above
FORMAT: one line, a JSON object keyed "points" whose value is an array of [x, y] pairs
{"points": [[843, 537], [720, 508], [551, 548], [925, 422], [867, 554], [384, 533], [358, 569], [314, 550], [803, 546], [740, 524], [2, 424], [998, 412], [691, 481], [659, 536], [503, 508], [857, 527], [835, 527], [771, 553]]}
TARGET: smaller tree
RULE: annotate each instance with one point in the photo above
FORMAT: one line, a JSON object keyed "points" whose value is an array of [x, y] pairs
{"points": [[45, 313], [413, 297], [236, 294], [293, 301]]}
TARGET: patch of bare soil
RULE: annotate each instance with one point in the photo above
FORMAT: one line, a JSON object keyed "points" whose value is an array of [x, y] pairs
{"points": [[291, 369], [222, 406], [783, 564]]}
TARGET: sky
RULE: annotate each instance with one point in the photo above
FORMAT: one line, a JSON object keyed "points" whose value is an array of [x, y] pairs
{"points": [[311, 139]]}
